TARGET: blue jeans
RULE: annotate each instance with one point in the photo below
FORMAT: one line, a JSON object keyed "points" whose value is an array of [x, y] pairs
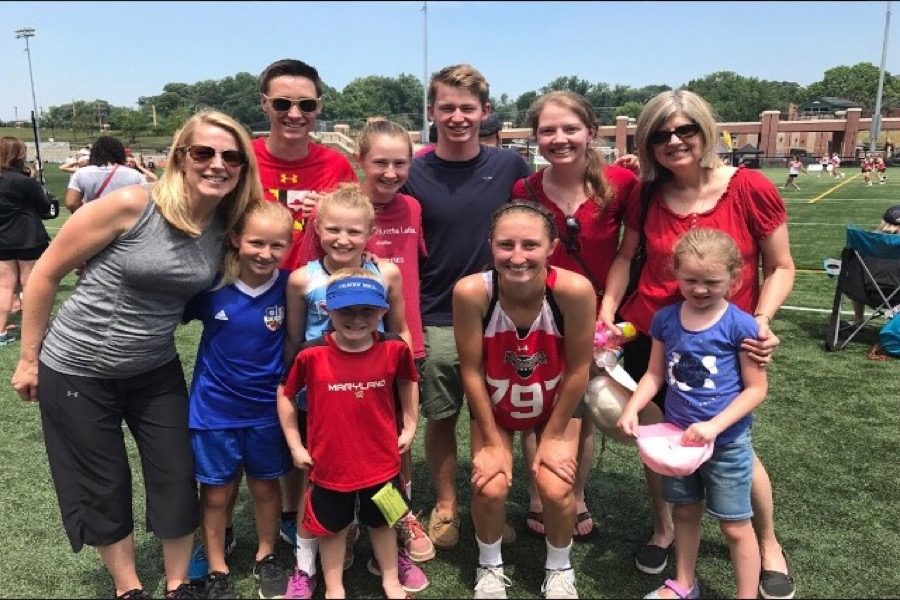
{"points": [[724, 481]]}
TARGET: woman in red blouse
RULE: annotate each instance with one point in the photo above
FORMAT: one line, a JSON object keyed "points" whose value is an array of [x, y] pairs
{"points": [[676, 142]]}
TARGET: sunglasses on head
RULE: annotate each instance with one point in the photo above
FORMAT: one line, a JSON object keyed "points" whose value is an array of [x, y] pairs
{"points": [[202, 154], [284, 104], [682, 131], [573, 230]]}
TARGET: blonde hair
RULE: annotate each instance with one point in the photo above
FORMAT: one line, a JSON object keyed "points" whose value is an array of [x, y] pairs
{"points": [[231, 261], [169, 193], [348, 195], [348, 272], [376, 127], [709, 246], [595, 184], [885, 227], [465, 77], [653, 117]]}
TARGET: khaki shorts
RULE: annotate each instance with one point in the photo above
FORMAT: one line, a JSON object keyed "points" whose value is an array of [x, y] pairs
{"points": [[442, 393]]}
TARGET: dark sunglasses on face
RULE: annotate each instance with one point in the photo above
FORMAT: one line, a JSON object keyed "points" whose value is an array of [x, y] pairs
{"points": [[573, 230], [683, 132], [202, 154], [284, 104]]}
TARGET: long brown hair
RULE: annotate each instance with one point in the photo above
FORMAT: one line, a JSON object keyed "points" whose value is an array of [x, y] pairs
{"points": [[595, 184], [12, 153]]}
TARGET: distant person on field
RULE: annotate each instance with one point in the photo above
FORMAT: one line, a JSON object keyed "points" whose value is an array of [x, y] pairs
{"points": [[81, 159], [890, 223], [836, 166], [827, 169], [23, 237], [795, 166], [105, 173], [866, 166], [138, 165], [881, 169]]}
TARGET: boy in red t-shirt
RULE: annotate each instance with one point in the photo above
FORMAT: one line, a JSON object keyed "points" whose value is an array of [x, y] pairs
{"points": [[353, 445]]}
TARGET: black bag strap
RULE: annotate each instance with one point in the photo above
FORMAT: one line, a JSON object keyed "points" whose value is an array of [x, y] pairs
{"points": [[598, 289], [640, 253]]}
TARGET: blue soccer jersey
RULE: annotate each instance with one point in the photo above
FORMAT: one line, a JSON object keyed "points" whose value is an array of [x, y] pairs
{"points": [[240, 357]]}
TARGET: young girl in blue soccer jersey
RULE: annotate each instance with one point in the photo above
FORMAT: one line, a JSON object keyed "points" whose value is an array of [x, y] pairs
{"points": [[713, 388], [233, 418], [343, 223]]}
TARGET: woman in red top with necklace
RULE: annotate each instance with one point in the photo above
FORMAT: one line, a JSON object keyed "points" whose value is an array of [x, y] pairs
{"points": [[676, 142]]}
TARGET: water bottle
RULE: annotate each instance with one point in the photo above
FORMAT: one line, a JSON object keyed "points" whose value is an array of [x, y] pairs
{"points": [[608, 346]]}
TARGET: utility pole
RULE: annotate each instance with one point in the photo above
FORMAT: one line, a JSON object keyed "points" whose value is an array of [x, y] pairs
{"points": [[876, 118], [28, 32], [424, 138]]}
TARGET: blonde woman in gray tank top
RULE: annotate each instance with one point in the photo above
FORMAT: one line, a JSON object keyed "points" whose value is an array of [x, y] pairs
{"points": [[109, 354]]}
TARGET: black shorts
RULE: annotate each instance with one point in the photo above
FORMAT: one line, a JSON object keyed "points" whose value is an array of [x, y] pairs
{"points": [[23, 253], [328, 512], [636, 358], [82, 424]]}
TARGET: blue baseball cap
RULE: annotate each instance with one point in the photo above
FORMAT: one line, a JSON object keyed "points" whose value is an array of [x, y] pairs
{"points": [[355, 291]]}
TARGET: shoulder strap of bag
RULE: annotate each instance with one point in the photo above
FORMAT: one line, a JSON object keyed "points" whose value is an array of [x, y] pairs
{"points": [[640, 253], [106, 181], [576, 255]]}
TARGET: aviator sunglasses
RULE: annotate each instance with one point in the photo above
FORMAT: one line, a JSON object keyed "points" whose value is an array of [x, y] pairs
{"points": [[202, 154], [683, 132], [284, 104]]}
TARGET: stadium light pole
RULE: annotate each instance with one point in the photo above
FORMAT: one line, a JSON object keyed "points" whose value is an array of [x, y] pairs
{"points": [[876, 118], [28, 32], [424, 137]]}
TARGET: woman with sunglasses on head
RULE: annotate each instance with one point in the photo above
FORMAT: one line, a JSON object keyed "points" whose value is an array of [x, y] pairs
{"points": [[586, 198], [110, 351], [676, 141]]}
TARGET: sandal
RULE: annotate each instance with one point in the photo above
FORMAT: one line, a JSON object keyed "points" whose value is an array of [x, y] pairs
{"points": [[581, 518], [536, 516], [680, 592]]}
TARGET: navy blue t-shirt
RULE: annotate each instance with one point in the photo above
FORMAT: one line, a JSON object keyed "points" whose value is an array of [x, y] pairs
{"points": [[458, 198]]}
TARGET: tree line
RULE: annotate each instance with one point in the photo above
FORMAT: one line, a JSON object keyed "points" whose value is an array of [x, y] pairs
{"points": [[734, 97]]}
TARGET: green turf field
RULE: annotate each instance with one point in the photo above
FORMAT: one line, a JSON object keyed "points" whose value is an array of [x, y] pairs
{"points": [[827, 434]]}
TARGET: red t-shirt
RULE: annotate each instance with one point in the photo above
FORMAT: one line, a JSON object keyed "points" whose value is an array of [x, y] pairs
{"points": [[599, 230], [749, 210], [289, 181], [352, 419], [397, 236]]}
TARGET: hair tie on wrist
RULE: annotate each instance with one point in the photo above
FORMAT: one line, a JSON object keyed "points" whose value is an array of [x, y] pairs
{"points": [[768, 318]]}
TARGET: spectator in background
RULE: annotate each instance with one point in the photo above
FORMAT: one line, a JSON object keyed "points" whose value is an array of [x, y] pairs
{"points": [[138, 165], [105, 173], [432, 140], [22, 235], [489, 131], [80, 159]]}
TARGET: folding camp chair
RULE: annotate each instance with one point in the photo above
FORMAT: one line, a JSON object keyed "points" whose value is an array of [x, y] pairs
{"points": [[869, 274]]}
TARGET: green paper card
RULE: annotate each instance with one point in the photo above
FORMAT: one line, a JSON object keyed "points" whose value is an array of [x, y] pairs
{"points": [[391, 503]]}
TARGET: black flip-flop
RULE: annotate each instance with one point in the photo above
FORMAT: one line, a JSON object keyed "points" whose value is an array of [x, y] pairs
{"points": [[533, 515], [584, 516]]}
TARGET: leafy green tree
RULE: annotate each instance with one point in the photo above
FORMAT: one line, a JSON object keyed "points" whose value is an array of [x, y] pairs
{"points": [[523, 102], [569, 82], [132, 123], [858, 83], [738, 98]]}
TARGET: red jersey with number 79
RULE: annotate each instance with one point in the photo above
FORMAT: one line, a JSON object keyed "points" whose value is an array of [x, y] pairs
{"points": [[523, 369]]}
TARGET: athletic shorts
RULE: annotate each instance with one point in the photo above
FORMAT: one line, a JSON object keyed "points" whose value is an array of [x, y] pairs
{"points": [[23, 253], [219, 453], [328, 512], [82, 425], [442, 392]]}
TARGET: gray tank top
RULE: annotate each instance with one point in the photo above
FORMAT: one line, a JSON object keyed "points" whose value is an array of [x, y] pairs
{"points": [[121, 318]]}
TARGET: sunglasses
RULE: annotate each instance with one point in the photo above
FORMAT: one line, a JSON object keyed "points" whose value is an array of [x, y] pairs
{"points": [[683, 132], [573, 230], [304, 104], [202, 154]]}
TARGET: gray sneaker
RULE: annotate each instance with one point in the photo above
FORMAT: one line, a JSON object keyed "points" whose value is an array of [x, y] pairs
{"points": [[490, 582], [559, 583]]}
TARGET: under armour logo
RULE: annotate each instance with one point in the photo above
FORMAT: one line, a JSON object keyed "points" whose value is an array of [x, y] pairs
{"points": [[71, 394], [288, 177], [359, 394]]}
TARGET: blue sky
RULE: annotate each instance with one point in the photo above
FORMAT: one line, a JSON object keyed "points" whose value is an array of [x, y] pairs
{"points": [[120, 51]]}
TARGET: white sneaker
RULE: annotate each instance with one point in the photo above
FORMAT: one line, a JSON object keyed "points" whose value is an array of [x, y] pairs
{"points": [[490, 582], [559, 583]]}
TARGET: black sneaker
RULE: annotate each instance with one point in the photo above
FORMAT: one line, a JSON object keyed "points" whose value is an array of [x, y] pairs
{"points": [[272, 578], [218, 585], [185, 591], [652, 559], [134, 594], [775, 585]]}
